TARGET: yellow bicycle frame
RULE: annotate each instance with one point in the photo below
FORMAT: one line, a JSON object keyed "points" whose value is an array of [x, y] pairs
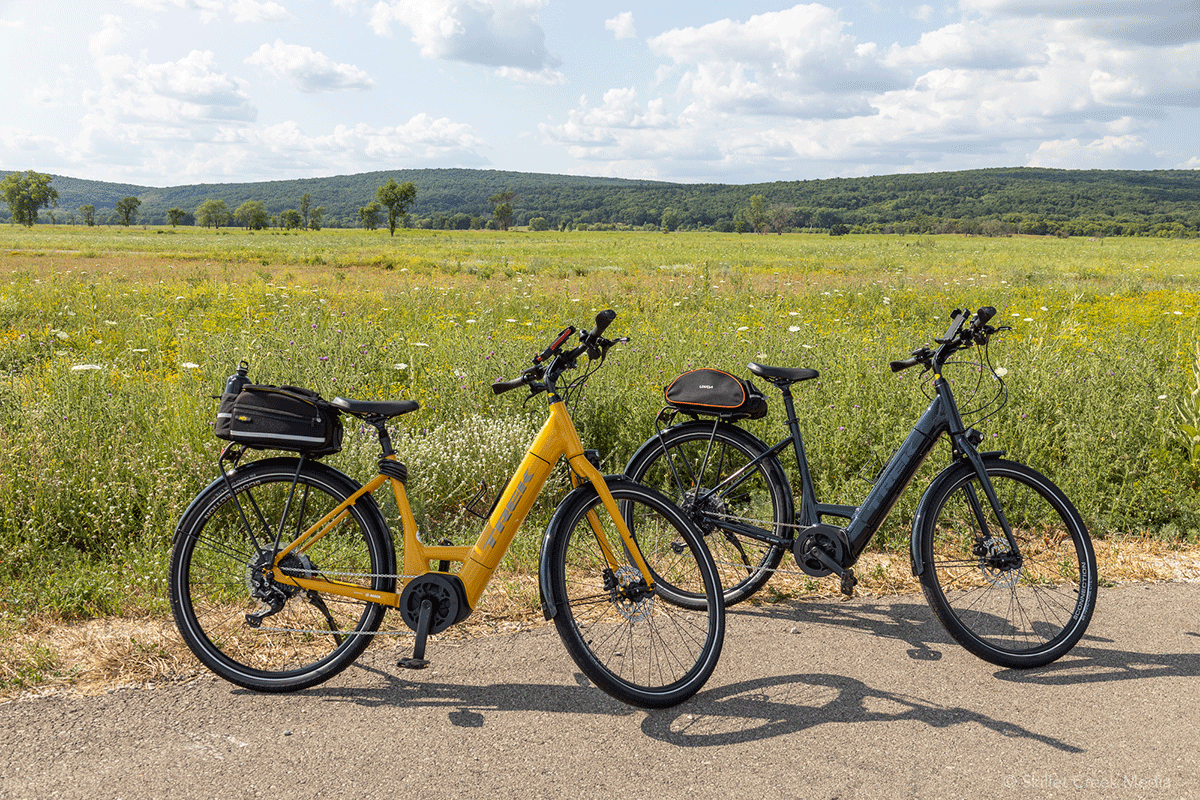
{"points": [[557, 439]]}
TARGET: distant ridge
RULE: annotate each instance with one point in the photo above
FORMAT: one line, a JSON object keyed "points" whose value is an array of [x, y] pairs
{"points": [[1123, 201]]}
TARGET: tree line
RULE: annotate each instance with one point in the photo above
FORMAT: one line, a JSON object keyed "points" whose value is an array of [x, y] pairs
{"points": [[985, 202]]}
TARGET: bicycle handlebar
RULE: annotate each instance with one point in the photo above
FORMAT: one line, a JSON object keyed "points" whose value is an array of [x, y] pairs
{"points": [[591, 342], [978, 332]]}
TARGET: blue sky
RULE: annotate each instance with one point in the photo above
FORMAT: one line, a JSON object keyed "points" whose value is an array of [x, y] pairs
{"points": [[169, 92]]}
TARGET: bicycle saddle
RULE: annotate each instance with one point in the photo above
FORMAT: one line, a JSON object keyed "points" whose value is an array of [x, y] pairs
{"points": [[781, 376], [382, 408]]}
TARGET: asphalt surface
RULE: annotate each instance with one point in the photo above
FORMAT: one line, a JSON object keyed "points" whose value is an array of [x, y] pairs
{"points": [[822, 699]]}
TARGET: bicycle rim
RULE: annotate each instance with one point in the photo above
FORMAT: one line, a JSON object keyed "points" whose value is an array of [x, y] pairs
{"points": [[697, 477], [217, 580], [1012, 613], [631, 643]]}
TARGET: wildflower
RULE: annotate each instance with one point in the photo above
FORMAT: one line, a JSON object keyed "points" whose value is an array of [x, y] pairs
{"points": [[83, 367], [189, 365], [400, 366], [793, 328], [419, 344]]}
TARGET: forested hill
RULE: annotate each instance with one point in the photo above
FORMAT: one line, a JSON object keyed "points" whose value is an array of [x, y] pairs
{"points": [[1029, 200]]}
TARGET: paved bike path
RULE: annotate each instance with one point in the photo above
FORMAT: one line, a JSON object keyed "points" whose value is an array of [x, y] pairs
{"points": [[820, 699]]}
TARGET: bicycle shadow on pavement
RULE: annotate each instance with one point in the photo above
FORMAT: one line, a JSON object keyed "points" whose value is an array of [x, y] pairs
{"points": [[766, 708], [911, 623], [1086, 664], [465, 702]]}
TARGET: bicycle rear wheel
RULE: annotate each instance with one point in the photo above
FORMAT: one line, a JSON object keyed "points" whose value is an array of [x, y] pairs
{"points": [[1016, 612], [219, 576], [630, 643], [693, 464]]}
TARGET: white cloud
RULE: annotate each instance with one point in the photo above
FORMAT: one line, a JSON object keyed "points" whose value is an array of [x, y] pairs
{"points": [[970, 44], [796, 62], [307, 69], [1153, 23], [621, 25], [496, 33], [1109, 152], [212, 10], [422, 141], [792, 91], [254, 11]]}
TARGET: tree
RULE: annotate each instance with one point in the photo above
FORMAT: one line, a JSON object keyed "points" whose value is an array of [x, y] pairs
{"points": [[89, 215], [252, 215], [368, 215], [304, 200], [212, 214], [538, 224], [781, 217], [396, 198], [502, 208], [315, 217], [670, 221], [290, 220], [26, 193], [127, 210], [175, 216], [757, 216]]}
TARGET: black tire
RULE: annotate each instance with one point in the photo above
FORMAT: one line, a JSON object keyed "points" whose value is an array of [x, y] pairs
{"points": [[635, 647], [1016, 615], [313, 636], [701, 459]]}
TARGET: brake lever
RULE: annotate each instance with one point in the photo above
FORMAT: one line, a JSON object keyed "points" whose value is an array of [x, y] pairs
{"points": [[600, 349]]}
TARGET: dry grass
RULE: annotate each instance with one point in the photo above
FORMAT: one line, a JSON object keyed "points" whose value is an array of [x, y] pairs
{"points": [[97, 655]]}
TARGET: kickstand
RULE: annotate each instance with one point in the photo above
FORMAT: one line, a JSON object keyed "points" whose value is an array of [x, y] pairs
{"points": [[418, 660]]}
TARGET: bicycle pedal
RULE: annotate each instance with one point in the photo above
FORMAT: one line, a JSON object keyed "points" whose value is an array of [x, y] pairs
{"points": [[849, 581], [413, 663]]}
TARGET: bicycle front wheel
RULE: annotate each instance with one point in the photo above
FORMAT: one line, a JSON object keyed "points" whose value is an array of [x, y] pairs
{"points": [[620, 633], [1015, 610], [220, 577], [703, 468]]}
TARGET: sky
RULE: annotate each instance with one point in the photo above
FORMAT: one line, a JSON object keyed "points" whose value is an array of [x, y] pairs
{"points": [[173, 92]]}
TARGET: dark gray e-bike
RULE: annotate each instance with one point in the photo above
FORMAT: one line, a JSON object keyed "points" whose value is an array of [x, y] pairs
{"points": [[1004, 558]]}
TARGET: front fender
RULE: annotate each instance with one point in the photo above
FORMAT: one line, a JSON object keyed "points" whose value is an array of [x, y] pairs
{"points": [[545, 587], [950, 473]]}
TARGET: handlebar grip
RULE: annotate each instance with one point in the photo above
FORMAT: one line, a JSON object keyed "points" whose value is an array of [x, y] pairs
{"points": [[983, 315], [500, 387], [603, 320], [904, 364]]}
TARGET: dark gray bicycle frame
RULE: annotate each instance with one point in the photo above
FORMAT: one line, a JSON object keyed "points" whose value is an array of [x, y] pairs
{"points": [[941, 417]]}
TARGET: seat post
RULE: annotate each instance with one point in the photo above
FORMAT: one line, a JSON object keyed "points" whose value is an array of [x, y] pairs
{"points": [[385, 440]]}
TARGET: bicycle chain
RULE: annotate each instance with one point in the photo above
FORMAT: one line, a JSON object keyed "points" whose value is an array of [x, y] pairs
{"points": [[340, 633], [761, 523]]}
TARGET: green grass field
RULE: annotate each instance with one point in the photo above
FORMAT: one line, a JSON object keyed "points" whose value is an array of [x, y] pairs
{"points": [[113, 341]]}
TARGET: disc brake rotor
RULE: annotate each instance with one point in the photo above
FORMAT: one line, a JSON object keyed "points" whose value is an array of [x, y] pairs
{"points": [[632, 603], [996, 565]]}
